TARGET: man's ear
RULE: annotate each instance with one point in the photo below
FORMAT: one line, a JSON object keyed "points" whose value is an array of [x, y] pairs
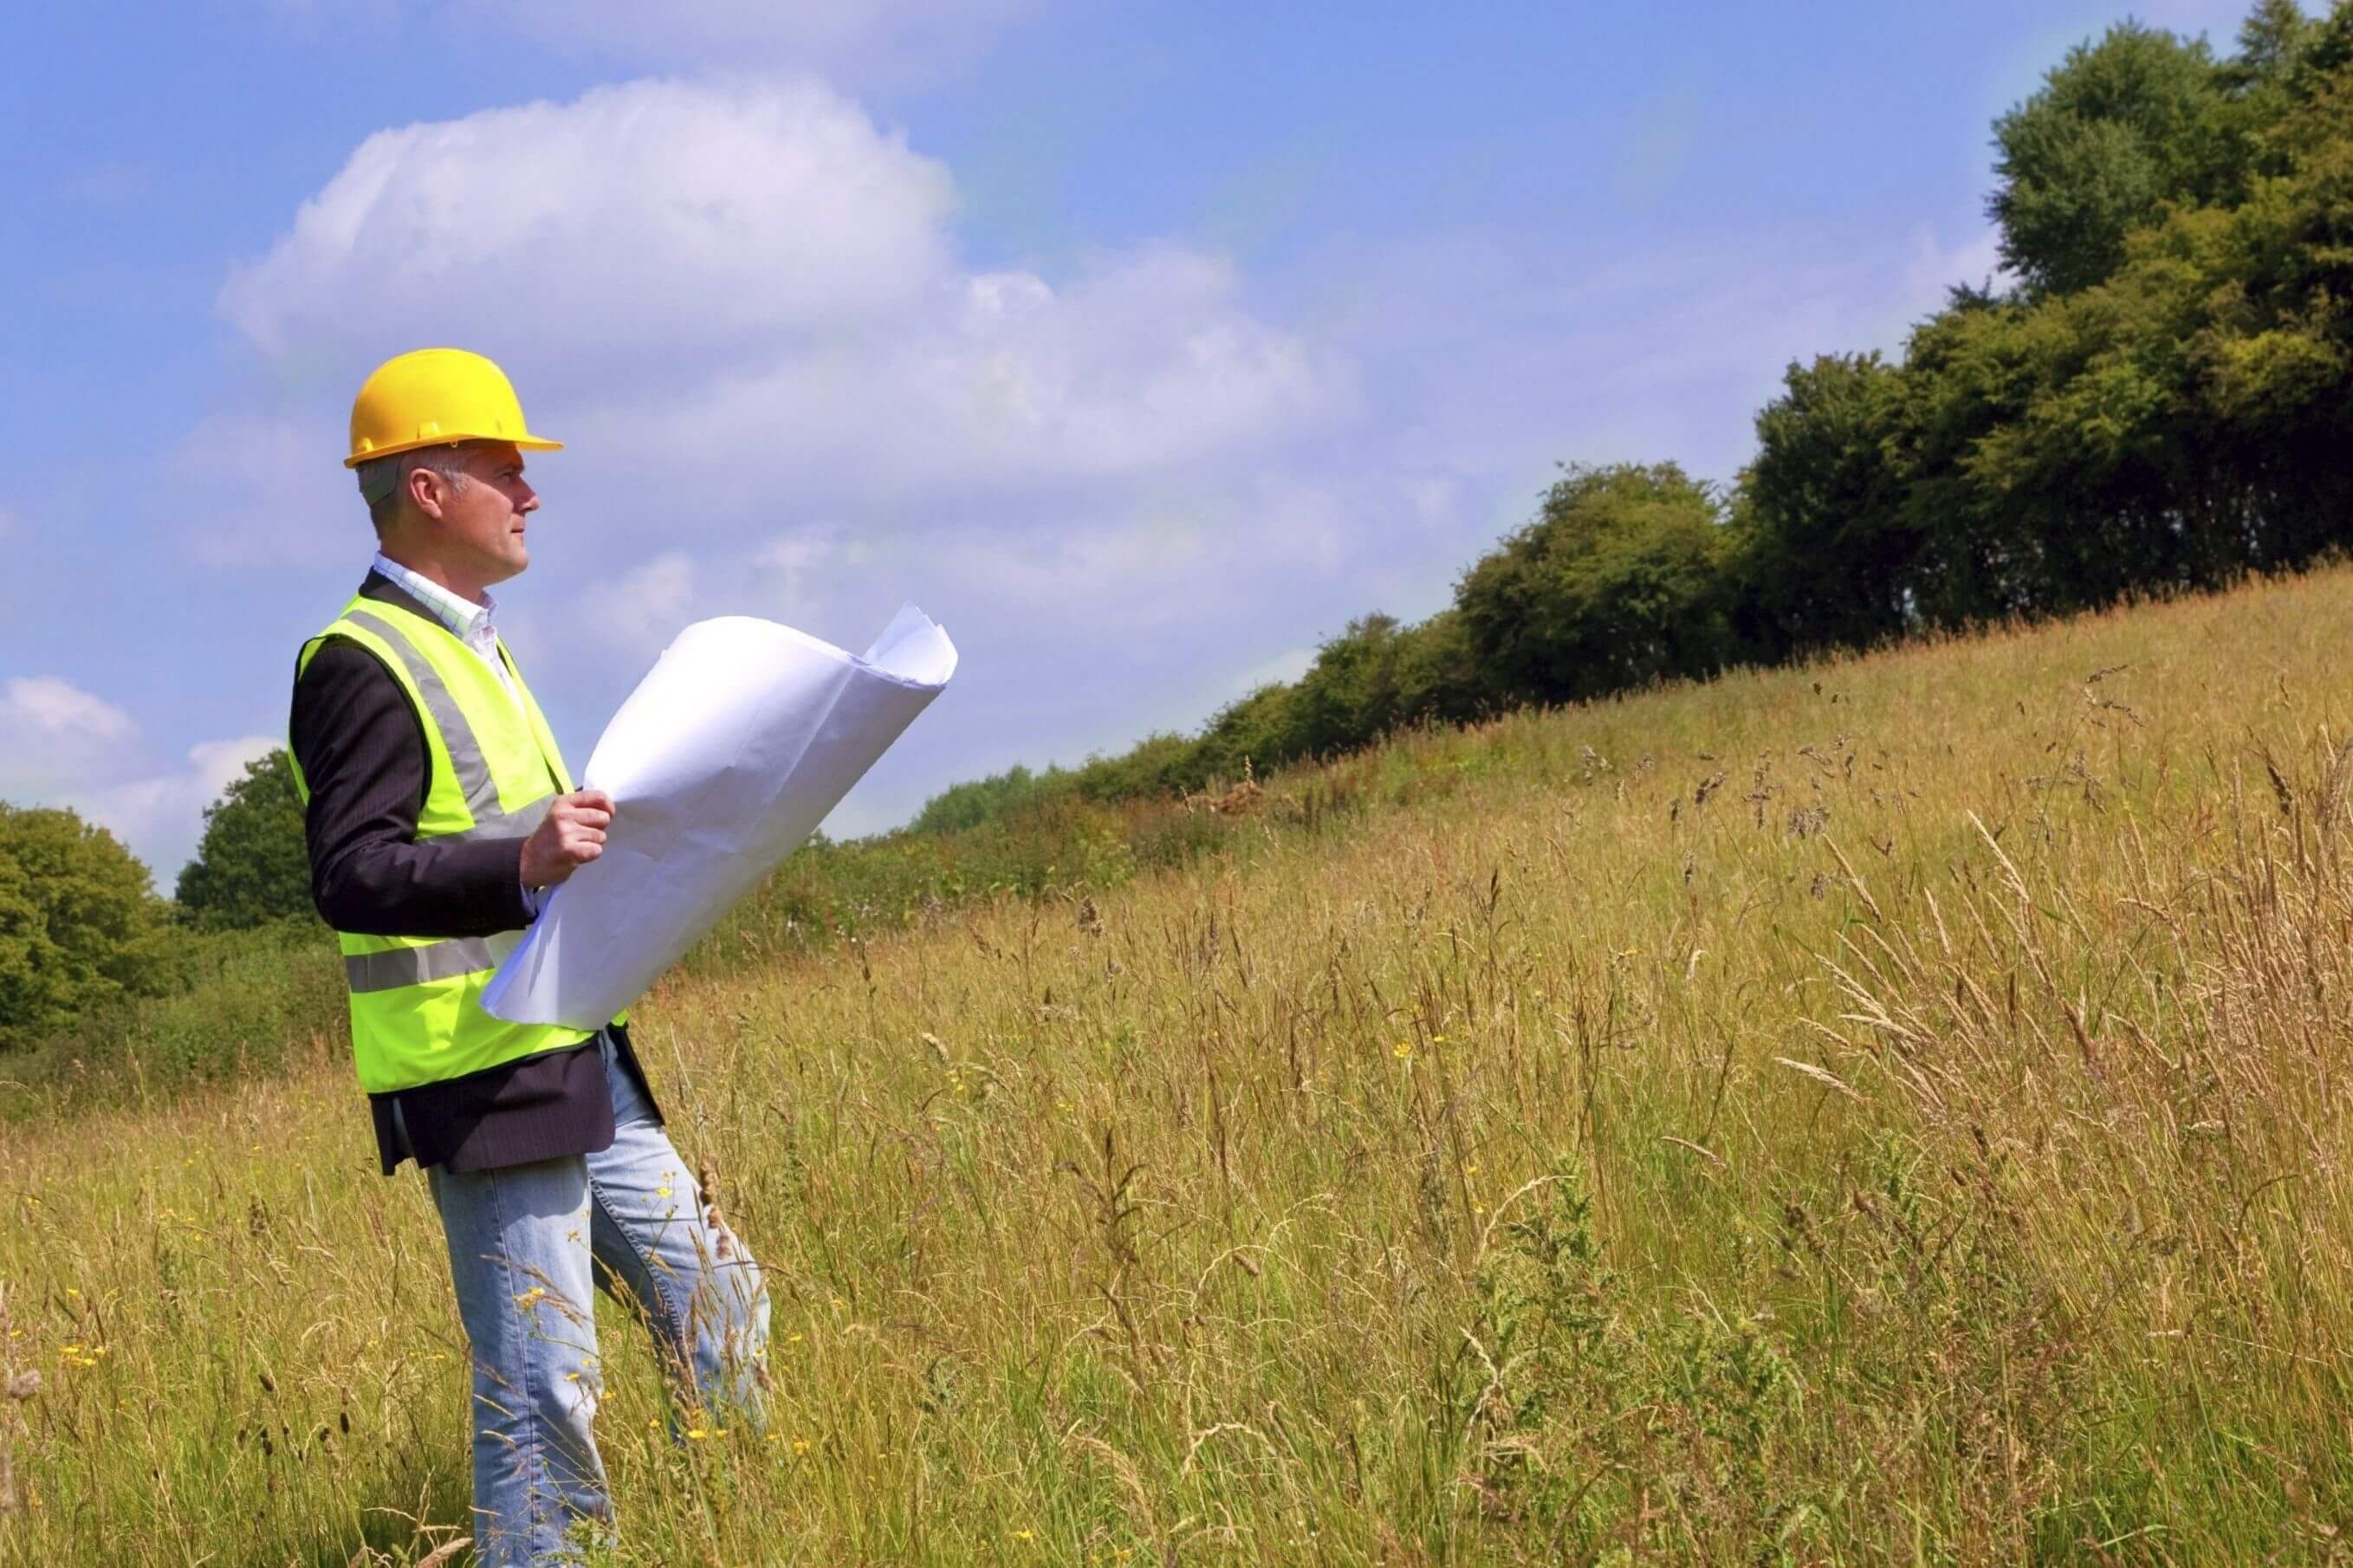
{"points": [[426, 491]]}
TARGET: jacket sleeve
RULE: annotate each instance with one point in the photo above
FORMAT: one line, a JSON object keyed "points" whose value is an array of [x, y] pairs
{"points": [[362, 750]]}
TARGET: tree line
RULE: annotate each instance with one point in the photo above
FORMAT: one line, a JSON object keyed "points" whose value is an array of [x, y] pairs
{"points": [[2157, 397]]}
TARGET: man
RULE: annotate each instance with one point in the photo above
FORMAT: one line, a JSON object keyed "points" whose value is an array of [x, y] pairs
{"points": [[438, 814]]}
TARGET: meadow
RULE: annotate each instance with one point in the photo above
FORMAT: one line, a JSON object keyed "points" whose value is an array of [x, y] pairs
{"points": [[1888, 1111]]}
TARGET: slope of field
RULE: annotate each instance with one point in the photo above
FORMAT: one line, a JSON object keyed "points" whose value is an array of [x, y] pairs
{"points": [[1886, 1110]]}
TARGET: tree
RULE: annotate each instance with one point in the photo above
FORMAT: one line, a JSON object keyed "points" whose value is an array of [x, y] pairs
{"points": [[1830, 552], [2119, 129], [1350, 696], [253, 866], [1438, 674], [2271, 41], [79, 924], [1621, 580]]}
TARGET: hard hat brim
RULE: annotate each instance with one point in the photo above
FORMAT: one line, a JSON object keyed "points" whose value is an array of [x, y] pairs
{"points": [[525, 442]]}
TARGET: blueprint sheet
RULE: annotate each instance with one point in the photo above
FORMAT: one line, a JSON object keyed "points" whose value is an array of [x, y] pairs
{"points": [[724, 759]]}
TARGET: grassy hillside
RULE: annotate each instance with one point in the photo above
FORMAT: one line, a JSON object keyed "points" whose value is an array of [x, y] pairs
{"points": [[1887, 1110]]}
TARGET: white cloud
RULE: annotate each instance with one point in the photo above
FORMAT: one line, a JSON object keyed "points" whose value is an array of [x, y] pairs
{"points": [[788, 567], [660, 221], [752, 287], [644, 606], [160, 815], [1144, 364], [52, 732], [51, 710], [60, 745]]}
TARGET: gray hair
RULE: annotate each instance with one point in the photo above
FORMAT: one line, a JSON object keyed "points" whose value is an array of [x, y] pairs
{"points": [[384, 479]]}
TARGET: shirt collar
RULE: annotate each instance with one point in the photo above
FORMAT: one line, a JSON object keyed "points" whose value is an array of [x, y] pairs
{"points": [[468, 621]]}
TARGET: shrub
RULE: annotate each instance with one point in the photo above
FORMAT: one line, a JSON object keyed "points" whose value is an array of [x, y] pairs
{"points": [[79, 924]]}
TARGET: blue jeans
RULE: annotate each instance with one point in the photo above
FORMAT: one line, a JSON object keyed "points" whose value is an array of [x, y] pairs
{"points": [[526, 1243]]}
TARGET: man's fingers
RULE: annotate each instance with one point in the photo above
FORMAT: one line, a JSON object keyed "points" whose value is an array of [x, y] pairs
{"points": [[596, 798], [590, 817]]}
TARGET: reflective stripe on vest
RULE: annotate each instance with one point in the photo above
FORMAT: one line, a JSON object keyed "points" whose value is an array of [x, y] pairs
{"points": [[395, 967], [415, 1001]]}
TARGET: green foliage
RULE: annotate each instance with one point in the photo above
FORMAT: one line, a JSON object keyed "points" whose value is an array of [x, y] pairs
{"points": [[252, 866], [2120, 129], [982, 799], [79, 924], [1828, 485], [1619, 582]]}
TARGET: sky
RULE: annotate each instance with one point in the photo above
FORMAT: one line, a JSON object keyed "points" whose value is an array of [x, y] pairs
{"points": [[1142, 344]]}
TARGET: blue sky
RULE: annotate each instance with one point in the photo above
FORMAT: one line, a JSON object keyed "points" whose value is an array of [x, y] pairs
{"points": [[1142, 344]]}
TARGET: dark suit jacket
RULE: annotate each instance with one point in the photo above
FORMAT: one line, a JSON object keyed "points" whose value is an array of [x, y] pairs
{"points": [[361, 748]]}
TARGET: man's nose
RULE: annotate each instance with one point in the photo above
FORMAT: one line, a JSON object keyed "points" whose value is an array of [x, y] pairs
{"points": [[529, 500]]}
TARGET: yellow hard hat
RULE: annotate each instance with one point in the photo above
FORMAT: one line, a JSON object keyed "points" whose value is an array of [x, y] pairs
{"points": [[431, 397]]}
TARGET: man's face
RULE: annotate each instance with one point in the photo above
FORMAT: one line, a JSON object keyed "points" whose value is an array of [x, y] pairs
{"points": [[484, 521]]}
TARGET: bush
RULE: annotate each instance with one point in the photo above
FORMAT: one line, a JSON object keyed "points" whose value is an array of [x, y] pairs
{"points": [[79, 924]]}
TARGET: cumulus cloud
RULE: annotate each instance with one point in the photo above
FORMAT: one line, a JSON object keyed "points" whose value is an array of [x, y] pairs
{"points": [[655, 220], [160, 815], [1143, 362], [756, 285], [51, 730], [60, 745]]}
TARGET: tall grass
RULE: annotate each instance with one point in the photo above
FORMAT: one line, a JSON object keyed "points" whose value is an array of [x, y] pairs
{"points": [[1892, 1110]]}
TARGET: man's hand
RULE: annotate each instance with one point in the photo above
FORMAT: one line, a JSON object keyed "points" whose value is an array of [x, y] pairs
{"points": [[571, 836]]}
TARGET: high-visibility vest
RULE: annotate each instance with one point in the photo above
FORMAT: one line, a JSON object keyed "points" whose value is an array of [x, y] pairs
{"points": [[417, 1012]]}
